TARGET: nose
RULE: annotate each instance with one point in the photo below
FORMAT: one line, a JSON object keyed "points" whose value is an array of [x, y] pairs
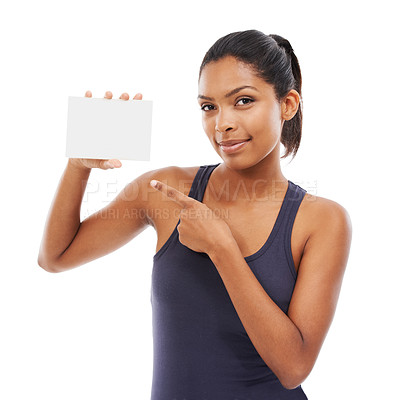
{"points": [[223, 123]]}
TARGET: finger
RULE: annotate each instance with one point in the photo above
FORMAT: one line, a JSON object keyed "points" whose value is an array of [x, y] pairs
{"points": [[124, 96], [172, 193], [88, 93], [108, 95], [106, 164], [138, 96], [114, 163]]}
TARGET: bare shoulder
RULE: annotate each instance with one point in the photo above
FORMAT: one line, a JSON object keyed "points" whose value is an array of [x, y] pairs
{"points": [[180, 178], [320, 212]]}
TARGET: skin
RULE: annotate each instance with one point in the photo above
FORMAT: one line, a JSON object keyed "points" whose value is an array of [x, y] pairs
{"points": [[288, 343], [251, 186], [260, 120], [67, 242]]}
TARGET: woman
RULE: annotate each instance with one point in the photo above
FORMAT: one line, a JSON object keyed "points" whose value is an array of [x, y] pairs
{"points": [[248, 266]]}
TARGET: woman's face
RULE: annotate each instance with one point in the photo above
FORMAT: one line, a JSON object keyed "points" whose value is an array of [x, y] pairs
{"points": [[251, 114]]}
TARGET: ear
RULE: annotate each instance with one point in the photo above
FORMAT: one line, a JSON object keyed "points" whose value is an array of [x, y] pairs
{"points": [[290, 105]]}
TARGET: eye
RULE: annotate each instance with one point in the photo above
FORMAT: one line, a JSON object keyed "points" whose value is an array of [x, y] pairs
{"points": [[205, 105], [247, 99]]}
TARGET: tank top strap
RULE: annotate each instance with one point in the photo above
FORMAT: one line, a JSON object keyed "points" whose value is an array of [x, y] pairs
{"points": [[295, 197], [200, 181]]}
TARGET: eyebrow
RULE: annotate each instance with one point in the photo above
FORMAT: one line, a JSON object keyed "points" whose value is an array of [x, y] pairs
{"points": [[232, 92]]}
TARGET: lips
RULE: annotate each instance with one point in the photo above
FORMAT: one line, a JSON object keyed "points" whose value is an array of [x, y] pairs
{"points": [[233, 148], [232, 142]]}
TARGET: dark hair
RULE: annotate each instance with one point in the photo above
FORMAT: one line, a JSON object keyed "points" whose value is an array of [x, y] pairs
{"points": [[273, 59]]}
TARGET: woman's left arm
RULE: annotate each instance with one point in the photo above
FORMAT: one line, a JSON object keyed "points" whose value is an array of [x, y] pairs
{"points": [[289, 344]]}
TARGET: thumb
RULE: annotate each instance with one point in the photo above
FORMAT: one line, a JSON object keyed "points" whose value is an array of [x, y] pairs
{"points": [[113, 163]]}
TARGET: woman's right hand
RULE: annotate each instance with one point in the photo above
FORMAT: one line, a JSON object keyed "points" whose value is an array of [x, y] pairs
{"points": [[95, 162]]}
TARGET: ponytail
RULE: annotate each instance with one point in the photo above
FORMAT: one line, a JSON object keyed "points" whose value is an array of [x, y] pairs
{"points": [[291, 132]]}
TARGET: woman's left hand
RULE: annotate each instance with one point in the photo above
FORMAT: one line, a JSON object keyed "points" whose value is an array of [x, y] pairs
{"points": [[200, 228]]}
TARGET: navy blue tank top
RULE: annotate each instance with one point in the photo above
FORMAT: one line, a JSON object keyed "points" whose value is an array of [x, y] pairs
{"points": [[201, 349]]}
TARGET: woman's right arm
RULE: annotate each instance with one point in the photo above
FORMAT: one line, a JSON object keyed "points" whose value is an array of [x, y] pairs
{"points": [[63, 220], [67, 242]]}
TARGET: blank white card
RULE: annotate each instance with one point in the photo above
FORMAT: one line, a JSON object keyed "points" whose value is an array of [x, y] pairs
{"points": [[109, 128]]}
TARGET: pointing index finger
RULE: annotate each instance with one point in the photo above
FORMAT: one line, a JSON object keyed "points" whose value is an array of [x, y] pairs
{"points": [[172, 193]]}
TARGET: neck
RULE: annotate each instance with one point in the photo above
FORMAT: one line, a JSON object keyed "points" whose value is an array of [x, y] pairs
{"points": [[260, 182]]}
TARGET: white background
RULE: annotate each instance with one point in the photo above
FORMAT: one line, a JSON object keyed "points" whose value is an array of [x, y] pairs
{"points": [[86, 333]]}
